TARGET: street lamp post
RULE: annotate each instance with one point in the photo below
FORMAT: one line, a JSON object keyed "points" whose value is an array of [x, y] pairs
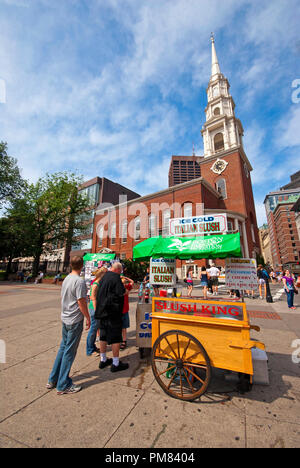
{"points": [[269, 297]]}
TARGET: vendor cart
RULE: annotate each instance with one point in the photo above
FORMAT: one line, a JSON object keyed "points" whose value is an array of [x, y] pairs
{"points": [[190, 336]]}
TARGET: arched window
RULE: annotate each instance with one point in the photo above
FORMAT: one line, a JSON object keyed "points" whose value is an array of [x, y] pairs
{"points": [[137, 229], [217, 111], [124, 231], [219, 142], [113, 234], [166, 222], [100, 230], [221, 188], [187, 210], [152, 225]]}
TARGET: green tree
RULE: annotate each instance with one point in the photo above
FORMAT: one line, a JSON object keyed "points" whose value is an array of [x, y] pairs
{"points": [[51, 209], [11, 182], [15, 239], [136, 270]]}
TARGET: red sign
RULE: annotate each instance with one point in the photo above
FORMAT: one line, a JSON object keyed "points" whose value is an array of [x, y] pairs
{"points": [[204, 309]]}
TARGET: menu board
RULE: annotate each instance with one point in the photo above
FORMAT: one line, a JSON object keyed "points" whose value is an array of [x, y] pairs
{"points": [[241, 274], [163, 271]]}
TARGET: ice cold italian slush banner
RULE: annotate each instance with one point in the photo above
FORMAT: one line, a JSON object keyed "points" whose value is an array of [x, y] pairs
{"points": [[199, 225]]}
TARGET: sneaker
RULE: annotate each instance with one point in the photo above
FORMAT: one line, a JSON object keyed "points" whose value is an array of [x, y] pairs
{"points": [[106, 363], [122, 366], [70, 390], [50, 386]]}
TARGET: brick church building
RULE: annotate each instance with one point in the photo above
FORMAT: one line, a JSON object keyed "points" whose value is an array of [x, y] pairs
{"points": [[217, 182]]}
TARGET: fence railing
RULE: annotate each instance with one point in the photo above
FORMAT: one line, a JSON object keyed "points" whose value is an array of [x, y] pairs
{"points": [[45, 266]]}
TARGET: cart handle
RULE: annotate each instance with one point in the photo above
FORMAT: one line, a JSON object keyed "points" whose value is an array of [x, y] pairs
{"points": [[255, 327], [247, 345]]}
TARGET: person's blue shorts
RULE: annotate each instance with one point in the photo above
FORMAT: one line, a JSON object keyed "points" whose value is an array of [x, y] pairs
{"points": [[125, 321]]}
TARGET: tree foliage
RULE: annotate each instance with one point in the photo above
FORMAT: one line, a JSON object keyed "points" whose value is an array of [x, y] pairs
{"points": [[11, 182], [135, 270], [51, 210]]}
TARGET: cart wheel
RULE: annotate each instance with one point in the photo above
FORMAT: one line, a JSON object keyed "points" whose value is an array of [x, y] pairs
{"points": [[181, 365]]}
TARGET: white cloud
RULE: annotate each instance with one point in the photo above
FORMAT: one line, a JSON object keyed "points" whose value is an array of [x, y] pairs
{"points": [[288, 131], [260, 213], [128, 107]]}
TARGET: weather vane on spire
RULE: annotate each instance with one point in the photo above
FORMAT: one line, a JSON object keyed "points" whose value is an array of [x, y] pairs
{"points": [[212, 37]]}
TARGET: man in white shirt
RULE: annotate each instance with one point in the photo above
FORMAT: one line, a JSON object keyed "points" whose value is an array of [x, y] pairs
{"points": [[214, 274]]}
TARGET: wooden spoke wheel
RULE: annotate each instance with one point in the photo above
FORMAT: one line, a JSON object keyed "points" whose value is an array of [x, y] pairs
{"points": [[181, 365]]}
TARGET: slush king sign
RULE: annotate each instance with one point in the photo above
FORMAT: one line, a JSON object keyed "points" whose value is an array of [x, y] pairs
{"points": [[199, 225]]}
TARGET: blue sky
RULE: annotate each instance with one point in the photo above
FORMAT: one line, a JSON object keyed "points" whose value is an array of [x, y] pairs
{"points": [[115, 87]]}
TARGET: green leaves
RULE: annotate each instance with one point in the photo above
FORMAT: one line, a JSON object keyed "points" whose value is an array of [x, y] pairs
{"points": [[11, 182], [49, 212]]}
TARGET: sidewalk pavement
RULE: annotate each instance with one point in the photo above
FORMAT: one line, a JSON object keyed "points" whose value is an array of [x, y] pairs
{"points": [[129, 409]]}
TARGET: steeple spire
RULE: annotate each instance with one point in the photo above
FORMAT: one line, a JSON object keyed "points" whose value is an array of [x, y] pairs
{"points": [[215, 67], [222, 130]]}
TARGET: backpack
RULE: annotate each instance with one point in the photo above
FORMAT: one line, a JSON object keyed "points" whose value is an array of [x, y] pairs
{"points": [[265, 274]]}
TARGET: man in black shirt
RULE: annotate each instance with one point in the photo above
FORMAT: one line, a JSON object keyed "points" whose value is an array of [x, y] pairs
{"points": [[110, 301]]}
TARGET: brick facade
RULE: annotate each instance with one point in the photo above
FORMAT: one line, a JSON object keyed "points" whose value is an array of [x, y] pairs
{"points": [[195, 192]]}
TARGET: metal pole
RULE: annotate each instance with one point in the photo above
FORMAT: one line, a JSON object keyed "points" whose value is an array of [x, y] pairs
{"points": [[269, 297]]}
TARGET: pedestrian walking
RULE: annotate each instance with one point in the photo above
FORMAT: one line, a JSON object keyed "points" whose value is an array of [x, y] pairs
{"points": [[74, 309], [128, 284], [109, 309], [189, 281], [288, 280], [204, 281], [214, 274], [273, 277], [251, 293], [91, 348], [261, 276]]}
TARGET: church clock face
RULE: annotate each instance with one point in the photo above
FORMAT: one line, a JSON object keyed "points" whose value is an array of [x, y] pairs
{"points": [[219, 166]]}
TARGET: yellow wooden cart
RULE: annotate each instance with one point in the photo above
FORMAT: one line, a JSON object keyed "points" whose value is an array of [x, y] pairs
{"points": [[189, 337]]}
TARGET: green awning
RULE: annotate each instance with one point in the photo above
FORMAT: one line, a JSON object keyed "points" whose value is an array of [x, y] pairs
{"points": [[93, 257], [183, 248]]}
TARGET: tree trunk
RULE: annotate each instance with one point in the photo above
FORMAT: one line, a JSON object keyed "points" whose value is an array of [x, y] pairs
{"points": [[36, 262], [69, 241], [8, 266]]}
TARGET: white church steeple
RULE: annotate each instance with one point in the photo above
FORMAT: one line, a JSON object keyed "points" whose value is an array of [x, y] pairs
{"points": [[222, 130], [215, 67]]}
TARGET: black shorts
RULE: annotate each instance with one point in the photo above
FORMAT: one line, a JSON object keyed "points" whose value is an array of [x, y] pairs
{"points": [[111, 333], [214, 281]]}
